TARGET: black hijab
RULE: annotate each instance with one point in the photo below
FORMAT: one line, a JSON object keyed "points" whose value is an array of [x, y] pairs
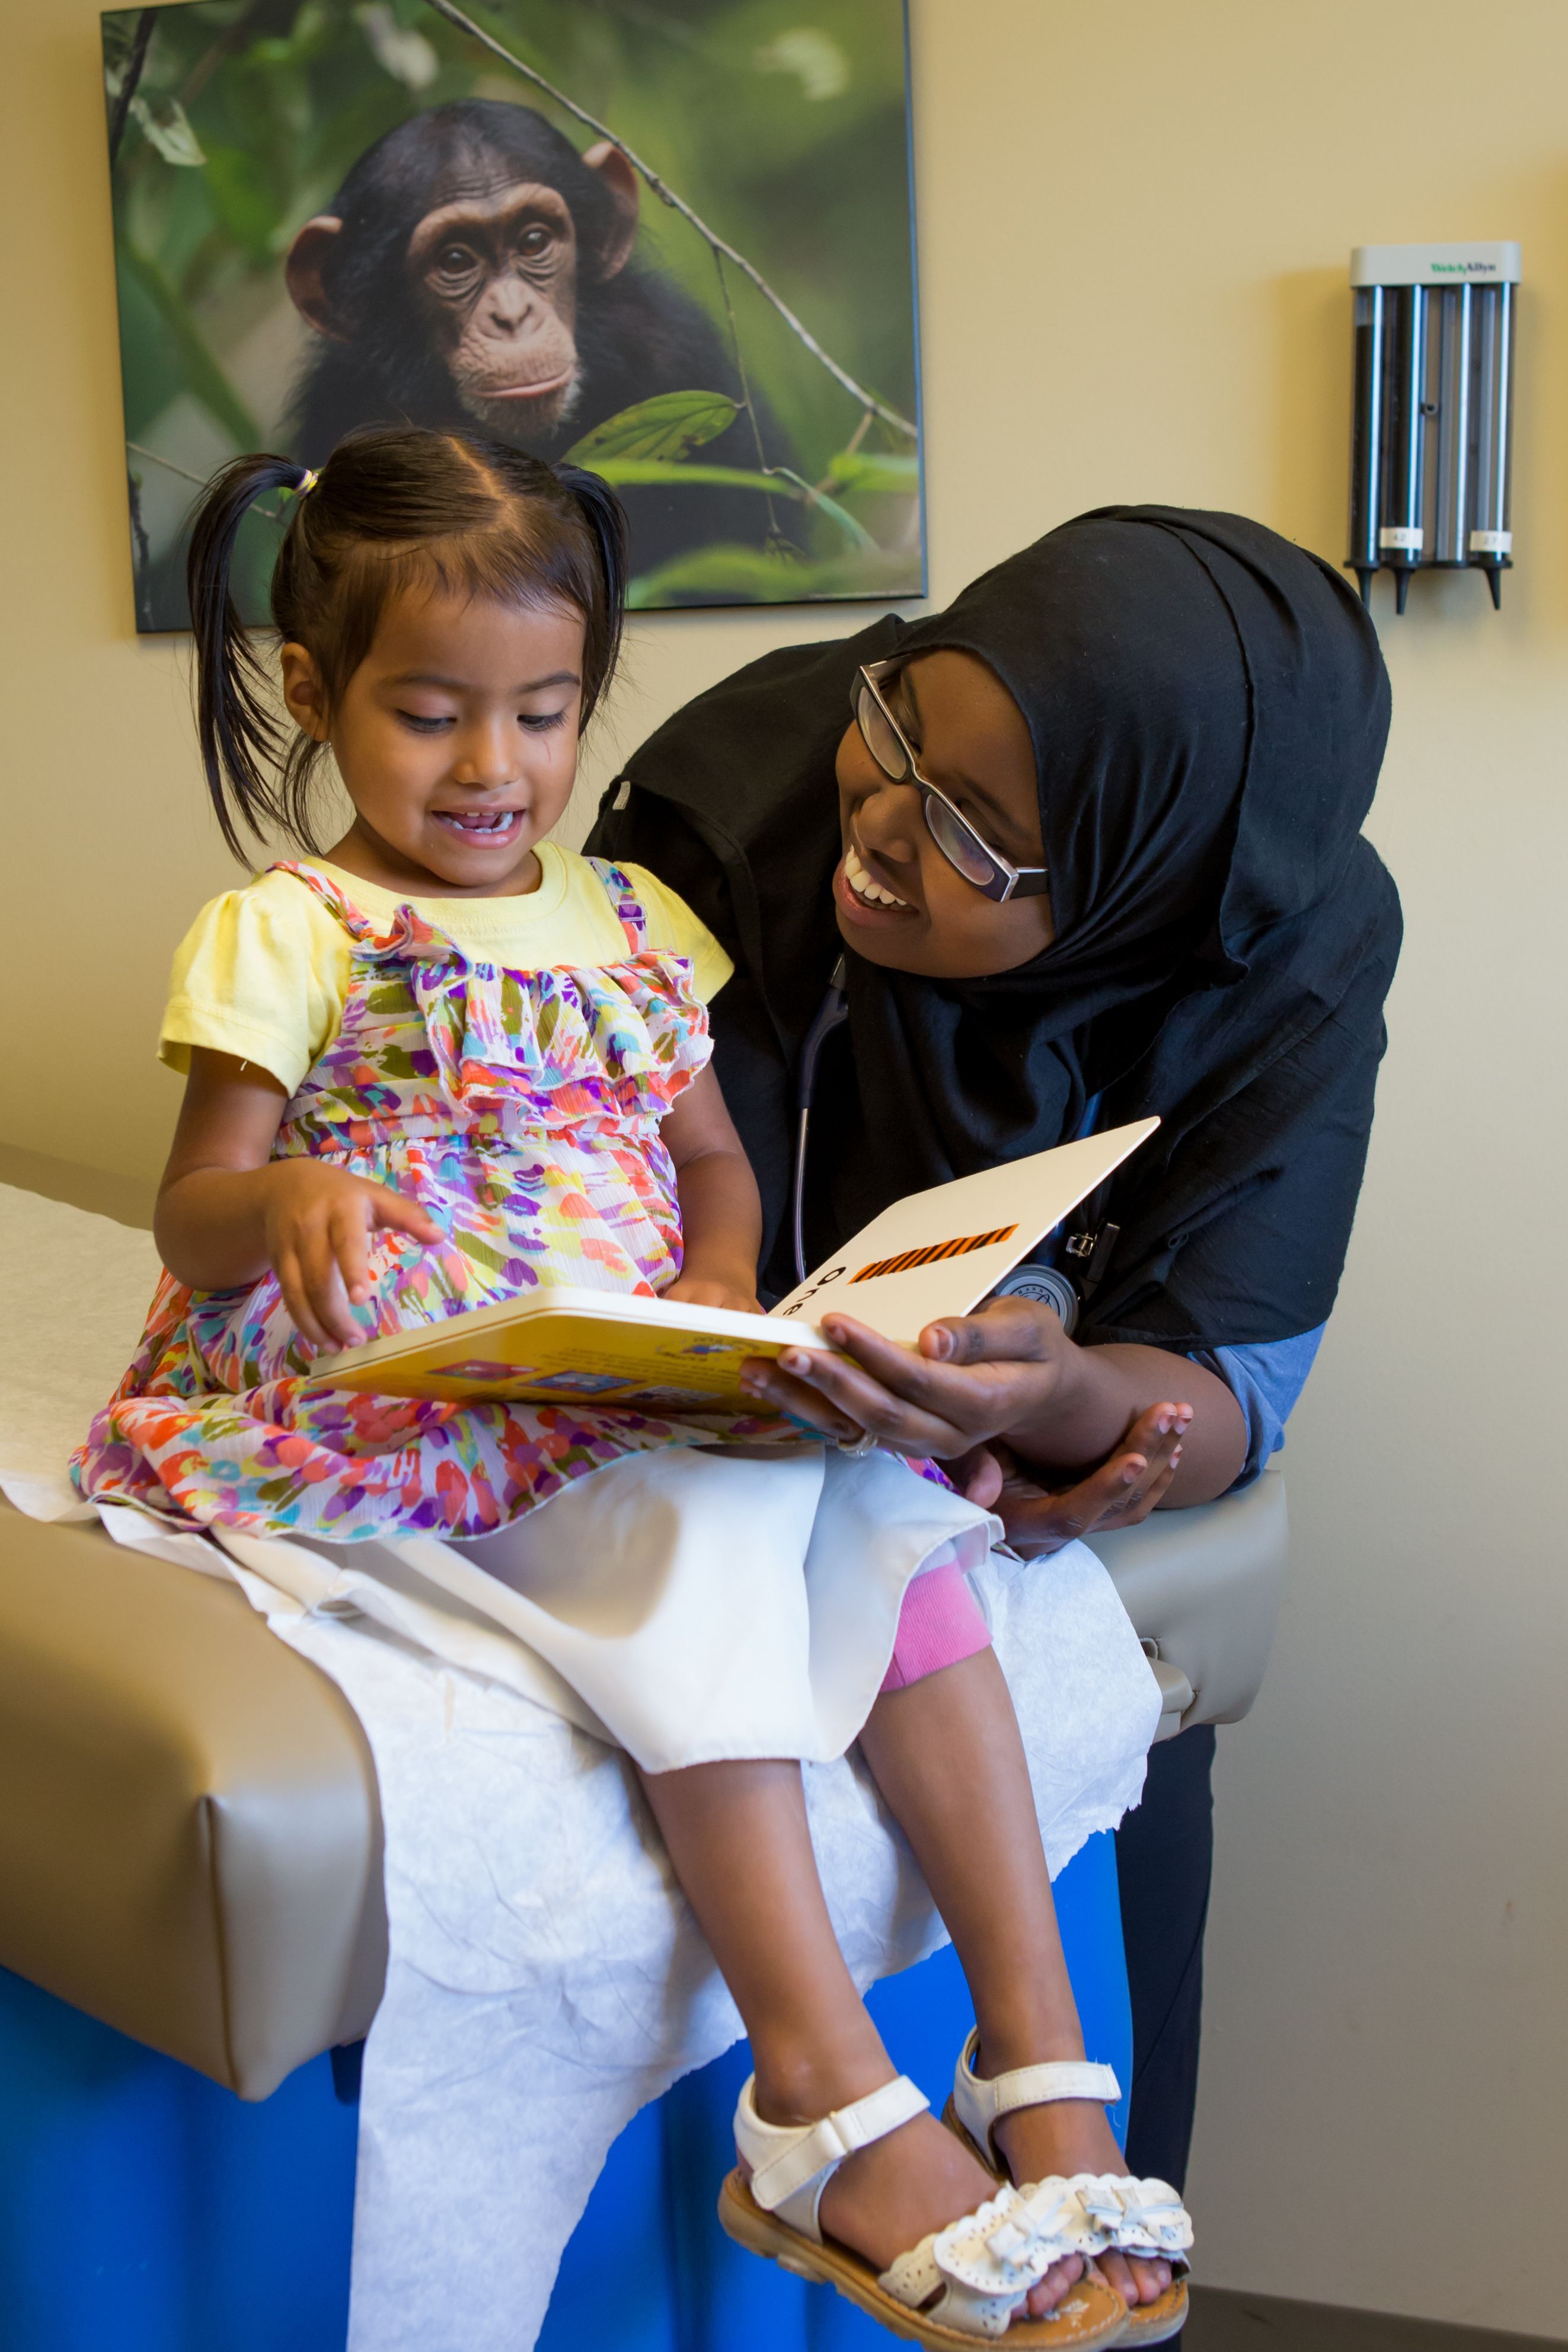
{"points": [[1209, 709]]}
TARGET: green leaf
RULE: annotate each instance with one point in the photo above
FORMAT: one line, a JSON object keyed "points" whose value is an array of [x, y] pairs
{"points": [[167, 128], [647, 473], [401, 50], [204, 379], [642, 473], [814, 56], [242, 199], [830, 507], [663, 428], [874, 469], [746, 575], [150, 374]]}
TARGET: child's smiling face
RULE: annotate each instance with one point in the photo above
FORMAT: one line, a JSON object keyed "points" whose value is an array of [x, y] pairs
{"points": [[456, 739]]}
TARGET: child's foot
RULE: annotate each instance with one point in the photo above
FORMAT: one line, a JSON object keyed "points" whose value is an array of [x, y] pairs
{"points": [[886, 2198], [1069, 2136]]}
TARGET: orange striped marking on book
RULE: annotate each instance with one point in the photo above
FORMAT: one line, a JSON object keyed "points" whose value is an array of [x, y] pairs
{"points": [[959, 1247]]}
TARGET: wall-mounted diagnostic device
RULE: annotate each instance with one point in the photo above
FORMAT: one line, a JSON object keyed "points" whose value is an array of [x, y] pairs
{"points": [[1430, 460]]}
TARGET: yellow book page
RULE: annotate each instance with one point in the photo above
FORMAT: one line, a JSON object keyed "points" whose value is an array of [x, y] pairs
{"points": [[570, 1356]]}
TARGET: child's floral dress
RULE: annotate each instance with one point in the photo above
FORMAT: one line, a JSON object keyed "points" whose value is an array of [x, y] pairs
{"points": [[522, 1109]]}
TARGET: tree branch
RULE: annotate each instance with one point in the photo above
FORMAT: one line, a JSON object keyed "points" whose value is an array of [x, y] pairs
{"points": [[133, 75], [666, 194], [272, 514], [141, 566]]}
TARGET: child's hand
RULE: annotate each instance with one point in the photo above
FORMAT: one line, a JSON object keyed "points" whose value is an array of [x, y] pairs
{"points": [[1121, 1492], [733, 1291], [319, 1222]]}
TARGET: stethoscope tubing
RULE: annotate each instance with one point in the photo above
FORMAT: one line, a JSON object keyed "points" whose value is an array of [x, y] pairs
{"points": [[831, 1014]]}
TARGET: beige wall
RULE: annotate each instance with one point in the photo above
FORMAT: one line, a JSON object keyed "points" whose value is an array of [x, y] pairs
{"points": [[1135, 221]]}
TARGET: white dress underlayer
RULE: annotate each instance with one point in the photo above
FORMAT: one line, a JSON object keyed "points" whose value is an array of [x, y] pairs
{"points": [[695, 1608]]}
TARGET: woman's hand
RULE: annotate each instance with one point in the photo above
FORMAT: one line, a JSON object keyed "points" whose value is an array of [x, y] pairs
{"points": [[969, 1378], [1121, 1492], [1009, 1371], [317, 1225]]}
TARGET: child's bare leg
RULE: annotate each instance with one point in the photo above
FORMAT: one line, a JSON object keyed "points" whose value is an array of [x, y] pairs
{"points": [[947, 1754], [738, 1837]]}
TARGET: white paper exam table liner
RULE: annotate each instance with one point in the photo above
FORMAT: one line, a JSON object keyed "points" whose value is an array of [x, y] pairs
{"points": [[545, 1978]]}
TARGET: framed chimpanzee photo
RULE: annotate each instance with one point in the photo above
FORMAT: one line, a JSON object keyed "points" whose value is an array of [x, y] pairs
{"points": [[673, 240]]}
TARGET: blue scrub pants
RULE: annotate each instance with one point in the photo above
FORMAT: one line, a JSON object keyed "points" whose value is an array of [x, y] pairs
{"points": [[145, 2210]]}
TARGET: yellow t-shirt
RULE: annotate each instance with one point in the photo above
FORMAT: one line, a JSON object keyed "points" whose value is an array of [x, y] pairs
{"points": [[263, 971]]}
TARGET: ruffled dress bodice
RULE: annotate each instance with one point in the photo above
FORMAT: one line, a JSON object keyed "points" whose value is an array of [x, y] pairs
{"points": [[522, 1109]]}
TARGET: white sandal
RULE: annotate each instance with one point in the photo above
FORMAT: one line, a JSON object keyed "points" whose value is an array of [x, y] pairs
{"points": [[961, 2284], [1117, 2214]]}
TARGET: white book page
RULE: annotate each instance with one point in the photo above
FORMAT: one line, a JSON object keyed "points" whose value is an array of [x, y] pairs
{"points": [[939, 1253]]}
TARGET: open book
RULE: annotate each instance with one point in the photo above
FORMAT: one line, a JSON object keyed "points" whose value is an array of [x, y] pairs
{"points": [[933, 1254]]}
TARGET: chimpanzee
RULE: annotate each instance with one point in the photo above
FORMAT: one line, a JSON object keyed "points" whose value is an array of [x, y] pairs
{"points": [[475, 268]]}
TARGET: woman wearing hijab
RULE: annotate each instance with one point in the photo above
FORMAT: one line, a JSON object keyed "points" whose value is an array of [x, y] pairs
{"points": [[1084, 847]]}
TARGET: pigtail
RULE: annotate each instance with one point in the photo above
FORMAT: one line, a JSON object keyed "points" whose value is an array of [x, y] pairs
{"points": [[242, 742], [605, 517]]}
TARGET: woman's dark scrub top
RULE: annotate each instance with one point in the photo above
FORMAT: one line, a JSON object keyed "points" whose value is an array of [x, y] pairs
{"points": [[1265, 1379], [1208, 706]]}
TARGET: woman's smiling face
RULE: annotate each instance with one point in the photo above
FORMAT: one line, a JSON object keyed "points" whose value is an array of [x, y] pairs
{"points": [[970, 739]]}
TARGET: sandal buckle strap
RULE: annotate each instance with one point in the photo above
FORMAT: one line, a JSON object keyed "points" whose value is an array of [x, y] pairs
{"points": [[784, 2157], [1036, 2087], [981, 2104]]}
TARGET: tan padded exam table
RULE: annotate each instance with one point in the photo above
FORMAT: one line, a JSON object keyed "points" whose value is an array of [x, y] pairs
{"points": [[190, 1836]]}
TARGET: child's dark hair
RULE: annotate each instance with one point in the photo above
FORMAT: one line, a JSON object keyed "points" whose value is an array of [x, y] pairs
{"points": [[393, 508]]}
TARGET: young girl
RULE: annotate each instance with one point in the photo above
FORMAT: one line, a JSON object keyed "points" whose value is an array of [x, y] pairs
{"points": [[452, 1061]]}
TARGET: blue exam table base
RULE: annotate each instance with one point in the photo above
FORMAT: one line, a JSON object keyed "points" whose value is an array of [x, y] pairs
{"points": [[144, 2207]]}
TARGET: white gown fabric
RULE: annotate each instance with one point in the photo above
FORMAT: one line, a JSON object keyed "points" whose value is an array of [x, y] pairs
{"points": [[546, 1978]]}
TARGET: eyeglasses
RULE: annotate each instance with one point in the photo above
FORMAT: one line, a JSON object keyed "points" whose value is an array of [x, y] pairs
{"points": [[995, 876]]}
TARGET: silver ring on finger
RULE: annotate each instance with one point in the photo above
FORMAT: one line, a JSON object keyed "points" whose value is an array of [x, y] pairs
{"points": [[858, 1448]]}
